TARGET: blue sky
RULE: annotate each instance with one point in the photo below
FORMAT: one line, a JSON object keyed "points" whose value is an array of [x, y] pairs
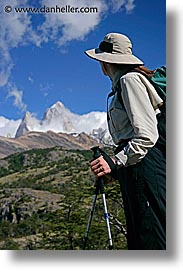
{"points": [[43, 58]]}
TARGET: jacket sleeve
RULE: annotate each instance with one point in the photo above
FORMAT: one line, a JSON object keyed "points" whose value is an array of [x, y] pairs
{"points": [[142, 117]]}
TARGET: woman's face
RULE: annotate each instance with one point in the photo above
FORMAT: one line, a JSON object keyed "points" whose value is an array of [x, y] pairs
{"points": [[103, 67], [108, 69]]}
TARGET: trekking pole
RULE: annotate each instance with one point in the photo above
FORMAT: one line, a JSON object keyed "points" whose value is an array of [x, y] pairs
{"points": [[91, 216], [99, 187]]}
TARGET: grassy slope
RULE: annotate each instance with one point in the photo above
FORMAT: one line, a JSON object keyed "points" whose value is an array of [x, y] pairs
{"points": [[45, 201]]}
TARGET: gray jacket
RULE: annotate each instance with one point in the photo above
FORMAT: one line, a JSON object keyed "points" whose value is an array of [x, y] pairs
{"points": [[136, 119]]}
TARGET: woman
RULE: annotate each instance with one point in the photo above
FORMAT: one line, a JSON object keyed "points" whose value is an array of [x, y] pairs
{"points": [[140, 162]]}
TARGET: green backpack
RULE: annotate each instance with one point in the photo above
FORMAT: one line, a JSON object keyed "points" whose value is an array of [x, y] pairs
{"points": [[158, 80]]}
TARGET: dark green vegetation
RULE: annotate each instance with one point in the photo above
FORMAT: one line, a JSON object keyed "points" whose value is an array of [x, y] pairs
{"points": [[45, 201]]}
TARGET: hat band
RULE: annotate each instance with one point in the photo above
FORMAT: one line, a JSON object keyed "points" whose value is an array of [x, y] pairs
{"points": [[106, 47]]}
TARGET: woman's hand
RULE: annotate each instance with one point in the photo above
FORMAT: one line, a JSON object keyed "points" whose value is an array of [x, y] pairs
{"points": [[100, 167]]}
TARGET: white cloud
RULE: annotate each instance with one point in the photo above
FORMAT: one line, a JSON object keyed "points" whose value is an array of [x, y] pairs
{"points": [[18, 98], [45, 88], [6, 65], [117, 5], [58, 118], [130, 6], [30, 79], [64, 27], [13, 26], [16, 29], [8, 127]]}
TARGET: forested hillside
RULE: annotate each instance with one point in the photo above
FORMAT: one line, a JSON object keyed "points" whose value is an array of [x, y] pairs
{"points": [[45, 201]]}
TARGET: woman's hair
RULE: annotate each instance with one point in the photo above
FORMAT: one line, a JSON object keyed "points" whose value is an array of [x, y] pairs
{"points": [[131, 68], [147, 72]]}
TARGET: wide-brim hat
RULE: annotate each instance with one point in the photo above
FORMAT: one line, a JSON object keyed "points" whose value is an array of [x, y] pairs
{"points": [[115, 48]]}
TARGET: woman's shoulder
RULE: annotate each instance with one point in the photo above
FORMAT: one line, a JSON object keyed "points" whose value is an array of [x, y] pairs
{"points": [[135, 75]]}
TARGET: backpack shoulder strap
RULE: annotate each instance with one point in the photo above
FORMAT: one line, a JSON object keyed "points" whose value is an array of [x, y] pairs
{"points": [[118, 87]]}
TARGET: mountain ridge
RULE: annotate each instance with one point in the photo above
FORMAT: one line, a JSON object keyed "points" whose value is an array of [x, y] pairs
{"points": [[43, 140]]}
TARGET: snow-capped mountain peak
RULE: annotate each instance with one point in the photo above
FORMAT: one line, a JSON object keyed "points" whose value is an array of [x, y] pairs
{"points": [[26, 125], [56, 109], [58, 118]]}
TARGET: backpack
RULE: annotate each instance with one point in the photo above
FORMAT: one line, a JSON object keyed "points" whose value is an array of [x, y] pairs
{"points": [[158, 80]]}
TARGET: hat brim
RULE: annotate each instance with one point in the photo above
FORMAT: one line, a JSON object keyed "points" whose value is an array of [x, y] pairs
{"points": [[98, 55]]}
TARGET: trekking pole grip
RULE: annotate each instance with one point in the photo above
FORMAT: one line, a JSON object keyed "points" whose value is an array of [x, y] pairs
{"points": [[97, 154]]}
